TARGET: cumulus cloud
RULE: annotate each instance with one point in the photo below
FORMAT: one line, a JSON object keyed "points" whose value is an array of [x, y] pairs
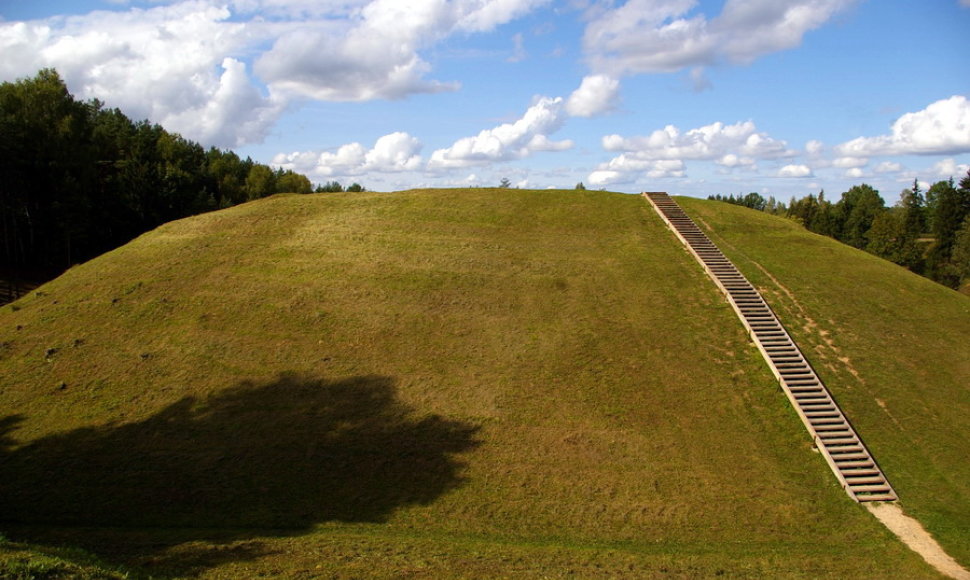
{"points": [[814, 147], [171, 64], [361, 68], [731, 161], [850, 162], [627, 168], [233, 113], [597, 94], [522, 138], [603, 177], [661, 154], [708, 142], [795, 171], [223, 72], [295, 9], [391, 153], [508, 141], [649, 36], [376, 53], [888, 167], [947, 168], [942, 128]]}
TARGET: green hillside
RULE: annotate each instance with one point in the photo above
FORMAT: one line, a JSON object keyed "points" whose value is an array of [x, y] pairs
{"points": [[464, 383], [893, 347]]}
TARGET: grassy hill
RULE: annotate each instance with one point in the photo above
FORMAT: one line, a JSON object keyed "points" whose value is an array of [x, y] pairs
{"points": [[465, 383]]}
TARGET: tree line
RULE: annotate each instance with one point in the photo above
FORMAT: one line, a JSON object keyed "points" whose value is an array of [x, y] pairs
{"points": [[752, 200], [928, 233], [78, 179]]}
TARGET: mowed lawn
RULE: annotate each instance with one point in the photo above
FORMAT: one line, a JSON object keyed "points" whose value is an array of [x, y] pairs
{"points": [[440, 383], [893, 347]]}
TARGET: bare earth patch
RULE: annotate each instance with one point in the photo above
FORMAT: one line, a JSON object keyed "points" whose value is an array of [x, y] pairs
{"points": [[808, 324], [918, 539]]}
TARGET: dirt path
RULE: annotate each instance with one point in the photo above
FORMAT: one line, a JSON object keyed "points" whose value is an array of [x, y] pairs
{"points": [[809, 325], [918, 539]]}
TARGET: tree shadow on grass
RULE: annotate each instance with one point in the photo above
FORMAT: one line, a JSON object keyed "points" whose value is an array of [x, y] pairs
{"points": [[284, 455]]}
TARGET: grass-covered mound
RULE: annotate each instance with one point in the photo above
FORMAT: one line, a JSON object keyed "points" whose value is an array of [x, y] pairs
{"points": [[893, 347], [464, 383]]}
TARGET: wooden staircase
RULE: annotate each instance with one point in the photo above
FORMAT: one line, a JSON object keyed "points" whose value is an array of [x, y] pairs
{"points": [[834, 437]]}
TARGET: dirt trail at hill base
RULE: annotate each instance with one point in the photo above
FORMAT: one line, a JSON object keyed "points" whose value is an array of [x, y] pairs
{"points": [[918, 539]]}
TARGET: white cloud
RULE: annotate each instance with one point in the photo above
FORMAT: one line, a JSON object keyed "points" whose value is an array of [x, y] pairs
{"points": [[941, 128], [372, 55], [947, 168], [509, 141], [814, 147], [188, 64], [391, 153], [795, 171], [649, 36], [603, 177], [395, 152], [359, 68], [753, 28], [597, 94], [375, 54], [731, 160], [296, 9], [854, 173], [888, 167], [234, 113], [173, 64], [662, 153], [21, 44], [484, 15], [628, 168], [708, 142], [850, 162]]}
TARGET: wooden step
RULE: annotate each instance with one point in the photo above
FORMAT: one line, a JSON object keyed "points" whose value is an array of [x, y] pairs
{"points": [[848, 457]]}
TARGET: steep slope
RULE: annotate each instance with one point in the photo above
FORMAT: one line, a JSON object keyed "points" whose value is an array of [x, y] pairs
{"points": [[891, 345], [432, 383]]}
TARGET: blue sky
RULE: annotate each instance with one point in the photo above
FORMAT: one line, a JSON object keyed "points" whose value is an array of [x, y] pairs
{"points": [[691, 97]]}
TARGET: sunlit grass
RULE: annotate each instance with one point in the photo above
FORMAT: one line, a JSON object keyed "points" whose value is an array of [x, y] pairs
{"points": [[892, 346], [616, 420]]}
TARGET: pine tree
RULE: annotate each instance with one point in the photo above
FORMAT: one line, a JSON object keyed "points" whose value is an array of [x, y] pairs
{"points": [[860, 206], [960, 258], [952, 207], [914, 206], [910, 253]]}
